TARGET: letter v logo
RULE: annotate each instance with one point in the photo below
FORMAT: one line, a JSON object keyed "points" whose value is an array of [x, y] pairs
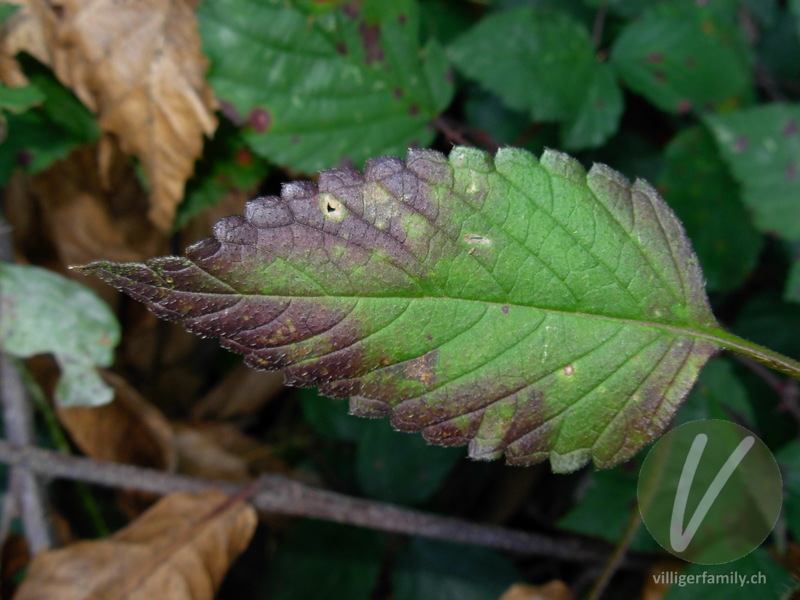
{"points": [[679, 539]]}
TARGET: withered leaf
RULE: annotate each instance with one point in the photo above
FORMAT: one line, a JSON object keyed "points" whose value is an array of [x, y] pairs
{"points": [[139, 68], [522, 306], [180, 549]]}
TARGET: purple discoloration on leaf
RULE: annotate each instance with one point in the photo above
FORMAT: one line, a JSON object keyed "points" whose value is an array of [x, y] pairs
{"points": [[684, 106], [791, 171], [790, 129], [655, 58], [229, 110], [386, 287]]}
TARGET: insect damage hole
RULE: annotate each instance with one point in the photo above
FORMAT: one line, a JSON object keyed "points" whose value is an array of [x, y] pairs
{"points": [[331, 207]]}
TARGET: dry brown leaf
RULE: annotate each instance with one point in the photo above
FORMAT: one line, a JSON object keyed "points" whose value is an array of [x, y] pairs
{"points": [[242, 392], [554, 590], [220, 451], [128, 430], [180, 549], [139, 67]]}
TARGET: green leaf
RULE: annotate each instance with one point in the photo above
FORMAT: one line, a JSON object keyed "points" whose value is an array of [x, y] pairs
{"points": [[325, 561], [317, 90], [519, 305], [19, 99], [764, 578], [719, 394], [612, 494], [685, 56], [329, 418], [427, 569], [700, 189], [541, 61], [788, 458], [795, 8], [45, 313], [400, 468], [227, 165], [762, 146], [6, 10], [792, 291]]}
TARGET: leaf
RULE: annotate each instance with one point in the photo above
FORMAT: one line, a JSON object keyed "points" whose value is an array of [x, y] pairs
{"points": [[317, 90], [697, 185], [541, 61], [325, 561], [762, 145], [180, 549], [140, 70], [788, 458], [764, 578], [398, 468], [524, 307], [792, 291], [19, 99], [434, 569], [685, 56], [42, 312]]}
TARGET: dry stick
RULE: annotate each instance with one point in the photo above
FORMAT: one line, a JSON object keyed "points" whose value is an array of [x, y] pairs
{"points": [[279, 494], [787, 389], [28, 490]]}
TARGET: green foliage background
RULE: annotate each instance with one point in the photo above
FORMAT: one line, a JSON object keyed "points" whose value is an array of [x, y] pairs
{"points": [[700, 98]]}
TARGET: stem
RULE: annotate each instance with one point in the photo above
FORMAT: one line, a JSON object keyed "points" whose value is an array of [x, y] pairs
{"points": [[279, 494], [765, 356]]}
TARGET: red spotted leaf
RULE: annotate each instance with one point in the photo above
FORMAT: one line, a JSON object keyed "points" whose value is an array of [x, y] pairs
{"points": [[522, 306]]}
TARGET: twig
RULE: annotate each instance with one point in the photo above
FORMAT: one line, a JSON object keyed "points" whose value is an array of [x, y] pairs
{"points": [[282, 495], [615, 560], [599, 25], [457, 133], [28, 490], [787, 389]]}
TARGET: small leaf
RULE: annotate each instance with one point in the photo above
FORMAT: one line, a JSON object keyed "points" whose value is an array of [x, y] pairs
{"points": [[684, 56], [792, 291], [522, 306], [541, 61], [325, 561], [42, 312], [762, 147], [180, 549], [434, 569], [316, 89], [697, 185], [19, 99]]}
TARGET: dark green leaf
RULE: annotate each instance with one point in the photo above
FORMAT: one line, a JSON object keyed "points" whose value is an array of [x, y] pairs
{"points": [[764, 578], [45, 313], [788, 458], [325, 561], [762, 147], [792, 291], [719, 394], [427, 570], [330, 419], [400, 468], [541, 61], [317, 90], [699, 188], [522, 306], [228, 165], [6, 10], [685, 56], [606, 500]]}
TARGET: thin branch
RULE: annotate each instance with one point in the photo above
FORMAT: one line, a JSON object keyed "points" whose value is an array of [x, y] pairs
{"points": [[615, 560], [28, 490], [787, 389], [279, 494], [599, 25]]}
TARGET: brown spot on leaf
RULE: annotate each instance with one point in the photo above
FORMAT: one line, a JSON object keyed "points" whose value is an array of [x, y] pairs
{"points": [[413, 110], [371, 41], [655, 58], [505, 309], [422, 368], [397, 92], [569, 370], [259, 119], [402, 19], [341, 48], [659, 75], [684, 106], [790, 129]]}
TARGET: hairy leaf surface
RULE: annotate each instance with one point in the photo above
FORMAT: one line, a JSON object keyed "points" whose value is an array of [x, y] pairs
{"points": [[521, 306]]}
